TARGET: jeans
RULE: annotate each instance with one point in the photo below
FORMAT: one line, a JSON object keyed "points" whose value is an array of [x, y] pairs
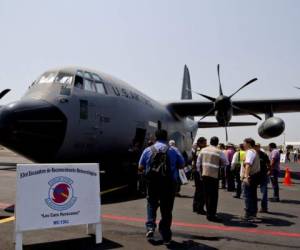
{"points": [[264, 191], [250, 194], [160, 193], [198, 202], [274, 180]]}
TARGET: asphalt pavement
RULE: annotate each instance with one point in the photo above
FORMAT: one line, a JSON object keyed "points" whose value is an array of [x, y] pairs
{"points": [[124, 217]]}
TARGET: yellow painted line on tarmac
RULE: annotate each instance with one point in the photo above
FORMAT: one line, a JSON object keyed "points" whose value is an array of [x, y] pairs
{"points": [[12, 218], [113, 189]]}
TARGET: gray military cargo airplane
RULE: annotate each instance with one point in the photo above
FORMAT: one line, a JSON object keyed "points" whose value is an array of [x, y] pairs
{"points": [[81, 115]]}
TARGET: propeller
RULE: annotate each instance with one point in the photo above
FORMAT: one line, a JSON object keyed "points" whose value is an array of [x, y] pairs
{"points": [[246, 111], [4, 92], [223, 104], [245, 85], [220, 85], [297, 87], [226, 133]]}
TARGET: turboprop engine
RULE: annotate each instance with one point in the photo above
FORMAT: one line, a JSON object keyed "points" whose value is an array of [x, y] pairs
{"points": [[271, 127]]}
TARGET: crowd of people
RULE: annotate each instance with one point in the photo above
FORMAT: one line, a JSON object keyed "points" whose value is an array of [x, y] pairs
{"points": [[240, 170]]}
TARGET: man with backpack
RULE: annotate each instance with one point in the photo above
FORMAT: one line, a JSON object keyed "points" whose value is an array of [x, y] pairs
{"points": [[160, 164]]}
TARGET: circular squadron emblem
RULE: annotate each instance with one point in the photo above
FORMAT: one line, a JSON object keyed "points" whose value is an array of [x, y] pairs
{"points": [[60, 195]]}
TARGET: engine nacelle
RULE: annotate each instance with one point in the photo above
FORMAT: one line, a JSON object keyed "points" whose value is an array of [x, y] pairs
{"points": [[271, 127]]}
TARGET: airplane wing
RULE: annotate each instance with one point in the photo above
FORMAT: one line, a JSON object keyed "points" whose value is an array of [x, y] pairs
{"points": [[199, 108], [202, 124]]}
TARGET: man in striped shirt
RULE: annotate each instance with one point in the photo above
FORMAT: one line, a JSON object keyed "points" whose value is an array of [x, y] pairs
{"points": [[209, 161]]}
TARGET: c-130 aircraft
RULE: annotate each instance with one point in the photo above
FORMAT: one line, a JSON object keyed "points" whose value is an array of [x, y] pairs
{"points": [[82, 115]]}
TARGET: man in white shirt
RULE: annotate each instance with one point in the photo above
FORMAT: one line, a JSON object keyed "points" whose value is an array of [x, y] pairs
{"points": [[250, 178], [209, 162]]}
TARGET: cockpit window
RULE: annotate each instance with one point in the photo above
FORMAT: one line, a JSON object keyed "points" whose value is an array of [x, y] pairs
{"points": [[90, 82], [96, 78], [47, 78], [100, 88], [65, 78], [78, 82], [88, 75], [89, 85], [79, 73]]}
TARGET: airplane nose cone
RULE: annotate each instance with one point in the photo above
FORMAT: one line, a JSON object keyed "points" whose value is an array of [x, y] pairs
{"points": [[33, 128]]}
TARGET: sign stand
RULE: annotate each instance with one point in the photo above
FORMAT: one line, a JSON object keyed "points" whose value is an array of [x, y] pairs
{"points": [[19, 241], [92, 229], [95, 229], [61, 199]]}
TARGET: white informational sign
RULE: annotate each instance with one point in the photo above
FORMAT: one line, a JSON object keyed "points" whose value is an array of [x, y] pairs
{"points": [[56, 195]]}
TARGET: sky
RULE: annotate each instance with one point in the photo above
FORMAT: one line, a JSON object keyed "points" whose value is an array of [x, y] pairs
{"points": [[147, 42]]}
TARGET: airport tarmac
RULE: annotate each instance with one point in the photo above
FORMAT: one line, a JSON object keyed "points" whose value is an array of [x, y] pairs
{"points": [[123, 221]]}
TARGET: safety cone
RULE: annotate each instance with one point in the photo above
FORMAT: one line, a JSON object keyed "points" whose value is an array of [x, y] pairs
{"points": [[287, 177]]}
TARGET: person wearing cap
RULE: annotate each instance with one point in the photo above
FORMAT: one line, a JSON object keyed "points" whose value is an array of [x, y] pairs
{"points": [[209, 162], [198, 202]]}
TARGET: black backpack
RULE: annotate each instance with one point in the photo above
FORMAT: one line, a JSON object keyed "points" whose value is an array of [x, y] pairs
{"points": [[159, 165]]}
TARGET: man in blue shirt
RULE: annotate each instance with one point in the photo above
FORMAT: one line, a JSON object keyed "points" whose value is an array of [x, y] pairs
{"points": [[161, 189]]}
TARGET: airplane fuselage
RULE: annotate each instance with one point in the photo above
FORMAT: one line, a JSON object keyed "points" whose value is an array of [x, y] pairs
{"points": [[88, 117]]}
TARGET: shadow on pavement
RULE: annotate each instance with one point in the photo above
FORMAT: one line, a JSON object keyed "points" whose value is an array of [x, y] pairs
{"points": [[189, 244], [235, 221], [189, 236], [296, 202], [184, 196], [275, 222], [120, 196], [283, 214], [87, 243], [197, 237], [262, 243]]}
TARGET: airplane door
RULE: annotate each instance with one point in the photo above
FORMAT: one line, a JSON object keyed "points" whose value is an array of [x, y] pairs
{"points": [[85, 141], [83, 109], [140, 135]]}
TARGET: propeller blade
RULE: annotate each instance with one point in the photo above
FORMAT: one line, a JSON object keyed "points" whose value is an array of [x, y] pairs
{"points": [[226, 133], [220, 86], [208, 113], [246, 111], [205, 96], [297, 87], [246, 84], [4, 92]]}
